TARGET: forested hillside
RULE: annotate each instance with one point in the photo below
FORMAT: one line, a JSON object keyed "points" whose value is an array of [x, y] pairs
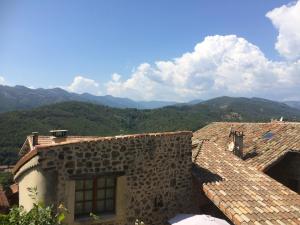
{"points": [[90, 119]]}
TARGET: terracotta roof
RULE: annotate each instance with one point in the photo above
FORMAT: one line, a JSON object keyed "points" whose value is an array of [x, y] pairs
{"points": [[47, 141], [50, 140], [243, 193], [24, 160], [270, 140], [239, 188]]}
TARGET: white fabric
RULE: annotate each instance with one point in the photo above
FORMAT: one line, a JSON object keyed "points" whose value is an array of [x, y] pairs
{"points": [[189, 219]]}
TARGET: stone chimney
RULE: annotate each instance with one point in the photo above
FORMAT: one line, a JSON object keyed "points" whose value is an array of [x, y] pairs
{"points": [[35, 138], [237, 143]]}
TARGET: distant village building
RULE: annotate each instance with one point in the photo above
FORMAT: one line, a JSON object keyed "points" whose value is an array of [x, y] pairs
{"points": [[8, 198], [4, 204], [6, 168], [246, 173]]}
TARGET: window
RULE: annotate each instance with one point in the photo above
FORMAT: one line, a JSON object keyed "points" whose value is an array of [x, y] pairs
{"points": [[95, 196]]}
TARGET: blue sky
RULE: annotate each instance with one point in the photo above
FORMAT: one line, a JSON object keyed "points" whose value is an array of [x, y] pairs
{"points": [[53, 43]]}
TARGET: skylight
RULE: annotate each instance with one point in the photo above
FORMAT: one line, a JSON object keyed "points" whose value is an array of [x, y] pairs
{"points": [[267, 136]]}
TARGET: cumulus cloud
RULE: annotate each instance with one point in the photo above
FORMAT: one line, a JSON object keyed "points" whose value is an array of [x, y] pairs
{"points": [[84, 85], [219, 65], [2, 80], [116, 77], [287, 20]]}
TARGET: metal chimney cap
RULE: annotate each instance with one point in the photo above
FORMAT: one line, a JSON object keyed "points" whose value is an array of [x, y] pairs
{"points": [[59, 133]]}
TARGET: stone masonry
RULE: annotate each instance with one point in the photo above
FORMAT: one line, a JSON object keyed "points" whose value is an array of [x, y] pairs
{"points": [[156, 166]]}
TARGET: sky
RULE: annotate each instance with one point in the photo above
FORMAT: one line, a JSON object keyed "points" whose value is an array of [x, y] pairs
{"points": [[153, 50]]}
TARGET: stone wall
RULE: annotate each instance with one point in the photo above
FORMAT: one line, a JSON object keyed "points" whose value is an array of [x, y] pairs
{"points": [[155, 166]]}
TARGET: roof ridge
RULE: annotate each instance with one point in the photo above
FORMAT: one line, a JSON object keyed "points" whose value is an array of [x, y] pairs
{"points": [[275, 122], [199, 147]]}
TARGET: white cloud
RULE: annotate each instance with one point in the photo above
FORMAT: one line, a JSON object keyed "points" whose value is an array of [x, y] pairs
{"points": [[287, 20], [84, 85], [116, 77], [2, 80], [219, 65]]}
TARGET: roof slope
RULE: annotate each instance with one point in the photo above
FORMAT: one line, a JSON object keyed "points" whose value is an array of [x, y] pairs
{"points": [[243, 193], [239, 188], [283, 137]]}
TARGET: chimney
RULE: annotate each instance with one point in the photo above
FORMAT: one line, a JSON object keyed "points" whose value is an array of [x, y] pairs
{"points": [[281, 119], [59, 133], [237, 141], [35, 138]]}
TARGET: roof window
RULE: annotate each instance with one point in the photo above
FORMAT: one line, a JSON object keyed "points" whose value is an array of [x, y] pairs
{"points": [[268, 135]]}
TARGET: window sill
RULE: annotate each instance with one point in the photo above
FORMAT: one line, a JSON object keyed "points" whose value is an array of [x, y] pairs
{"points": [[90, 220]]}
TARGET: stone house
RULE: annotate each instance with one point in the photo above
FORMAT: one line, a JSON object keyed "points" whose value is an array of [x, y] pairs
{"points": [[246, 173], [121, 178]]}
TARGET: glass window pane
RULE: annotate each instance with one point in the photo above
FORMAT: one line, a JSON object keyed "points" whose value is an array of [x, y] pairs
{"points": [[79, 184], [88, 207], [79, 196], [109, 193], [78, 208], [109, 205], [101, 182], [88, 184], [100, 206], [101, 194], [88, 195], [103, 200], [110, 182]]}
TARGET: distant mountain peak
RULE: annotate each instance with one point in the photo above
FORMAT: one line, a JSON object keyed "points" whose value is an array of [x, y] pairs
{"points": [[20, 97]]}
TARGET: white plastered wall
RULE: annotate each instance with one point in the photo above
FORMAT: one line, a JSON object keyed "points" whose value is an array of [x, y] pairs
{"points": [[31, 175], [31, 178]]}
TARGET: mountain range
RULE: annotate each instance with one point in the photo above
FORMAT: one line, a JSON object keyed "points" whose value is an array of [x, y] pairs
{"points": [[21, 97], [294, 104], [82, 118]]}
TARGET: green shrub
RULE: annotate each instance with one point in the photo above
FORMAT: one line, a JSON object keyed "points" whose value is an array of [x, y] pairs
{"points": [[38, 215]]}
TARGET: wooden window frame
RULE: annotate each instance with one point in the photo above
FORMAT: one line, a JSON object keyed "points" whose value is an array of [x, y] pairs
{"points": [[94, 200]]}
